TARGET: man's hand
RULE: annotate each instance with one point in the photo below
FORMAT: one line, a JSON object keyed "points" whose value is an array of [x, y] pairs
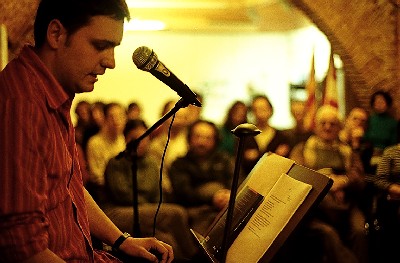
{"points": [[221, 198], [394, 192], [148, 248]]}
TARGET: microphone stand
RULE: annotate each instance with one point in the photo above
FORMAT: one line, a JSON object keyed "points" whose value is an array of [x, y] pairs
{"points": [[131, 153], [241, 131]]}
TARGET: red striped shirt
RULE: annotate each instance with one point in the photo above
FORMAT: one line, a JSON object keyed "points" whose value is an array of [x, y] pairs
{"points": [[41, 194]]}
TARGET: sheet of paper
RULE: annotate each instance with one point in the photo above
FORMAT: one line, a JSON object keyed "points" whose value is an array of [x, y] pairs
{"points": [[267, 171], [286, 195]]}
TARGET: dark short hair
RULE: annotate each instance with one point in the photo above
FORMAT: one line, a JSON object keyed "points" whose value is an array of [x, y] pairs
{"points": [[200, 121], [133, 124], [110, 105], [133, 105], [386, 96], [74, 14]]}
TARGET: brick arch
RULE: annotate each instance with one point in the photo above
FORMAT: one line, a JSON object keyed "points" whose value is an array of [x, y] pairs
{"points": [[365, 35]]}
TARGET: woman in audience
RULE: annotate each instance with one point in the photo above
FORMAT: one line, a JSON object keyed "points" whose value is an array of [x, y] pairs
{"points": [[236, 115], [382, 126], [270, 139]]}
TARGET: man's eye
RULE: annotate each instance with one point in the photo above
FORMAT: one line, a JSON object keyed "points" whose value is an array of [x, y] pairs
{"points": [[100, 47]]}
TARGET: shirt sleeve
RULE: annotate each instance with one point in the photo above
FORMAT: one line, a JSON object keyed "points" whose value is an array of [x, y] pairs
{"points": [[23, 223], [383, 171]]}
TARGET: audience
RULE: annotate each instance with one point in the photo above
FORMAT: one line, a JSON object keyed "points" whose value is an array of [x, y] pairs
{"points": [[270, 139], [387, 182], [354, 127], [201, 179], [134, 111], [382, 127], [194, 112], [199, 164], [83, 114], [172, 224], [353, 134], [104, 145], [236, 115], [98, 114], [338, 220], [298, 133], [176, 135]]}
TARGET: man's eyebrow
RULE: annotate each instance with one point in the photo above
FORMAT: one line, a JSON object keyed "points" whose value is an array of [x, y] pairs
{"points": [[106, 42]]}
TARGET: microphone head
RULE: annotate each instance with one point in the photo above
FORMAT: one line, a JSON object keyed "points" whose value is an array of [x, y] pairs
{"points": [[144, 58]]}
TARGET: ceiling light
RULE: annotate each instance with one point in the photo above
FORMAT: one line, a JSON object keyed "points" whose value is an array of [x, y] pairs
{"points": [[199, 4], [143, 25]]}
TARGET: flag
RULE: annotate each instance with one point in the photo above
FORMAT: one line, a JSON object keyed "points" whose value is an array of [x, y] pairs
{"points": [[311, 103], [330, 96]]}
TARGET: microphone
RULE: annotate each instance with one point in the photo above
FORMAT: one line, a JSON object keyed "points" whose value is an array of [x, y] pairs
{"points": [[145, 59]]}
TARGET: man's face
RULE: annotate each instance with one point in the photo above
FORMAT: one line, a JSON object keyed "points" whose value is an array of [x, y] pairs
{"points": [[143, 145], [202, 141], [87, 53], [357, 119], [116, 119], [328, 127]]}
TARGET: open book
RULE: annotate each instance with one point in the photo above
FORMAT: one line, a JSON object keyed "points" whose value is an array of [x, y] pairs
{"points": [[270, 203]]}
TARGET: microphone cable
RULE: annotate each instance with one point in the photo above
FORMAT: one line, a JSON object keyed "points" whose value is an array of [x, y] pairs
{"points": [[161, 175]]}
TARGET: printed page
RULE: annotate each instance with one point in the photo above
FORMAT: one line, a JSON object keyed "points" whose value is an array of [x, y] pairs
{"points": [[286, 195], [267, 172], [246, 204]]}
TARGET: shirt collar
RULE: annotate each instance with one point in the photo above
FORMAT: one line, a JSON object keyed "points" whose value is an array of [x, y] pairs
{"points": [[55, 94]]}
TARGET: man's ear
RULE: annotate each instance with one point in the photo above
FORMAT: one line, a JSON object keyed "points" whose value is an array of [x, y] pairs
{"points": [[56, 34]]}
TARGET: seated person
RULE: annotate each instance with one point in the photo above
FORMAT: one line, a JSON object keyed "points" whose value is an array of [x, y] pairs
{"points": [[338, 218], [201, 179], [172, 220], [353, 134], [387, 182], [382, 126], [270, 139]]}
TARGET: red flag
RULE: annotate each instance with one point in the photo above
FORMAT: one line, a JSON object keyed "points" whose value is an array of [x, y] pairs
{"points": [[311, 103], [330, 96]]}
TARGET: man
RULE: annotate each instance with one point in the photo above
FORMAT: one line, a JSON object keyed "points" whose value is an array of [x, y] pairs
{"points": [[339, 219], [172, 224], [104, 145], [46, 215], [354, 127], [201, 179]]}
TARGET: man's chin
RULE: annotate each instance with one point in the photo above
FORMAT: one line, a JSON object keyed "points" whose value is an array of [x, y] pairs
{"points": [[86, 89]]}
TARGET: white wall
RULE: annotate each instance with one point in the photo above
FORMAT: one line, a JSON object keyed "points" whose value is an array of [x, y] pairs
{"points": [[222, 67]]}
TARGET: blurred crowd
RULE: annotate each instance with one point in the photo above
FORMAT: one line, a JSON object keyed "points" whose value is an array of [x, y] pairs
{"points": [[188, 163]]}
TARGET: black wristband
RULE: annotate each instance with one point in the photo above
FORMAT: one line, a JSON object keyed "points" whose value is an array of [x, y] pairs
{"points": [[120, 240]]}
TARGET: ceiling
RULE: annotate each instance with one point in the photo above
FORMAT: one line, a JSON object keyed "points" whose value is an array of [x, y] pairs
{"points": [[189, 16], [220, 15]]}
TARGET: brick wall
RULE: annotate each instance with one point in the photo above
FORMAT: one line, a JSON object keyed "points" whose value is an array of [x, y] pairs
{"points": [[365, 35]]}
